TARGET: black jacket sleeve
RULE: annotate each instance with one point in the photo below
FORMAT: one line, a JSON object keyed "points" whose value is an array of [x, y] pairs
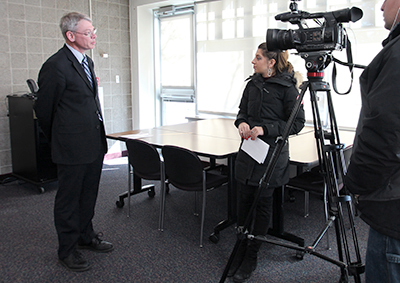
{"points": [[376, 151]]}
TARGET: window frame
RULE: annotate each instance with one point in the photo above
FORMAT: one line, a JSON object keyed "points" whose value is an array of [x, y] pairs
{"points": [[164, 93]]}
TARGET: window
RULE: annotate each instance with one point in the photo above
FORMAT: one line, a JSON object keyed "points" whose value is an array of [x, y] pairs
{"points": [[204, 71], [176, 81], [229, 31]]}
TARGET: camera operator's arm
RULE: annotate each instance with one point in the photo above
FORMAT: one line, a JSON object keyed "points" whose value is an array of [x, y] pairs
{"points": [[376, 152]]}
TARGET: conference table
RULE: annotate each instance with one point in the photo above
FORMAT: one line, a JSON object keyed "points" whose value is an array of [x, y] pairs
{"points": [[218, 139]]}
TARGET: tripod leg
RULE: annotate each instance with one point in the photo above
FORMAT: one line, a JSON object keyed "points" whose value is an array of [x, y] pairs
{"points": [[344, 275], [333, 166]]}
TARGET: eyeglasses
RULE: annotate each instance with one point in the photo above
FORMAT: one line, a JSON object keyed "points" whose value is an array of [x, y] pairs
{"points": [[88, 33]]}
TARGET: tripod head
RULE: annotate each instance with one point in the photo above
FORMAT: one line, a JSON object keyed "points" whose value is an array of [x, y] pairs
{"points": [[315, 63], [293, 6]]}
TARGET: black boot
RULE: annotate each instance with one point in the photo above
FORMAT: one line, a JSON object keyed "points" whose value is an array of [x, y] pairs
{"points": [[237, 261], [246, 197], [249, 263], [260, 227]]}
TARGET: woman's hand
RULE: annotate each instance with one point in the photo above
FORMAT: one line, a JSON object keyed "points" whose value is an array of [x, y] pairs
{"points": [[244, 130], [246, 133], [255, 132]]}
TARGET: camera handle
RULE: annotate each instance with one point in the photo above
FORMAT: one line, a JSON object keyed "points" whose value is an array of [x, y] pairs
{"points": [[331, 160]]}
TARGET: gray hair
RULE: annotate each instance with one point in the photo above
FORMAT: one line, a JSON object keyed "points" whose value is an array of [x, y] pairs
{"points": [[69, 22]]}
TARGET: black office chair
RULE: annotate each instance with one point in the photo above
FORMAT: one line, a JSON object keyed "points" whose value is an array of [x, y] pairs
{"points": [[32, 86], [185, 171], [311, 182], [308, 182], [144, 163]]}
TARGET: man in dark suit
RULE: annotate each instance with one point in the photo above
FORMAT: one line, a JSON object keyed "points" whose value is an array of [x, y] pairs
{"points": [[68, 111]]}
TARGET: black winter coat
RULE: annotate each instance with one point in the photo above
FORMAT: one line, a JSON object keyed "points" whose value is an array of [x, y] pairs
{"points": [[374, 169], [268, 103]]}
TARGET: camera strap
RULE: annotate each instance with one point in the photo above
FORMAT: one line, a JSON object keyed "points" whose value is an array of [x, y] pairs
{"points": [[349, 64]]}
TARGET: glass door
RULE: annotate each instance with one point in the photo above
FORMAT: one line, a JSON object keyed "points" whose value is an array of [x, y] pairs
{"points": [[176, 76]]}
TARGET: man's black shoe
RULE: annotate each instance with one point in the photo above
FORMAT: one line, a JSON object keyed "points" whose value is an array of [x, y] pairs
{"points": [[75, 262], [97, 245]]}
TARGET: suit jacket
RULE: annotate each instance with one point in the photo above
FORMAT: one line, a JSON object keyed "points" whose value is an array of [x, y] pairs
{"points": [[68, 110]]}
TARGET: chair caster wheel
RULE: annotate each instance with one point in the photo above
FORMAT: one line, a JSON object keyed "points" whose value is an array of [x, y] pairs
{"points": [[119, 203], [151, 193], [299, 255], [214, 238]]}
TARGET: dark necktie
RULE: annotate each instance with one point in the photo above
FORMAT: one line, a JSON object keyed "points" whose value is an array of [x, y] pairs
{"points": [[87, 70], [89, 76]]}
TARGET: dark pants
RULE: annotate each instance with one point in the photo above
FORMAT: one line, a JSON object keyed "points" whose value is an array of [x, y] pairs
{"points": [[78, 186], [383, 259], [263, 211]]}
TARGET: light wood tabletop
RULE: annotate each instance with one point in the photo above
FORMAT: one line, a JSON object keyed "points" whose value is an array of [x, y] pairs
{"points": [[219, 138]]}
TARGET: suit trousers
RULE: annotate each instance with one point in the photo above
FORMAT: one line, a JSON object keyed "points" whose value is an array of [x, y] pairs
{"points": [[75, 202]]}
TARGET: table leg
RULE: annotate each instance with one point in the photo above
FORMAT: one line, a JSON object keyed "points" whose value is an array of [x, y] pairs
{"points": [[232, 202], [277, 229]]}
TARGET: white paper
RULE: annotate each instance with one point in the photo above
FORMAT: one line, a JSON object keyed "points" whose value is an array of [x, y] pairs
{"points": [[257, 149]]}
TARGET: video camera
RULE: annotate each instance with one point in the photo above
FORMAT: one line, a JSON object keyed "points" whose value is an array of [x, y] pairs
{"points": [[331, 34]]}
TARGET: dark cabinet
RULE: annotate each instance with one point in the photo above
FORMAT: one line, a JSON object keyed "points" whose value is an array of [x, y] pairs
{"points": [[30, 151]]}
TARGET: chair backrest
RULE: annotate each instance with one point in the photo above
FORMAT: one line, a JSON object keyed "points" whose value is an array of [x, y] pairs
{"points": [[32, 85], [144, 159], [183, 168]]}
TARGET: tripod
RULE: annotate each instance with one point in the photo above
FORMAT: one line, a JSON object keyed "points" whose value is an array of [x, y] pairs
{"points": [[333, 168]]}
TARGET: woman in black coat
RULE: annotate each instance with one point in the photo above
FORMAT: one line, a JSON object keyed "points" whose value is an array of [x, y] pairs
{"points": [[265, 107]]}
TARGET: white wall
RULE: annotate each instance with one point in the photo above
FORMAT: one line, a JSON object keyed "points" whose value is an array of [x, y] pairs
{"points": [[30, 33], [143, 94]]}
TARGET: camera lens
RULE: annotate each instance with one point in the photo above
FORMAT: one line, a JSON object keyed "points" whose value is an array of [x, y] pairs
{"points": [[278, 39]]}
